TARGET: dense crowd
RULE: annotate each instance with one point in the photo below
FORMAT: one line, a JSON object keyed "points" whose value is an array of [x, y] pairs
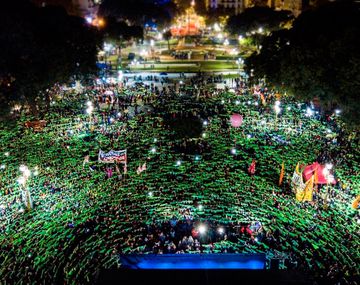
{"points": [[84, 215]]}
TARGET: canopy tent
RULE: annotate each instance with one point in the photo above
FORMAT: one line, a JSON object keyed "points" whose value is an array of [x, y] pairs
{"points": [[319, 168]]}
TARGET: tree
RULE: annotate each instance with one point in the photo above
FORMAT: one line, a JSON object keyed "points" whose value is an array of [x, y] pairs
{"points": [[167, 36], [41, 47], [257, 17], [318, 58], [117, 31]]}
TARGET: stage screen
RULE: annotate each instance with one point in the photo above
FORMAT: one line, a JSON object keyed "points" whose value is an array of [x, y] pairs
{"points": [[193, 261]]}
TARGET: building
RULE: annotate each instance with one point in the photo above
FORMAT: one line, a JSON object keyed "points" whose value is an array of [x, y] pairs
{"points": [[238, 6]]}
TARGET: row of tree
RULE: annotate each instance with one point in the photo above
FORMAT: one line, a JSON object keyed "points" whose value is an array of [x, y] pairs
{"points": [[318, 58]]}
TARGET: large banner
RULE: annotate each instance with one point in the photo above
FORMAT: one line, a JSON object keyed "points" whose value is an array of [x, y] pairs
{"points": [[306, 194], [112, 156]]}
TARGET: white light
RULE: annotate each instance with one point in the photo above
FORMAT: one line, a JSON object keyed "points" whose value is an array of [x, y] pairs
{"points": [[88, 20], [27, 173], [197, 157], [205, 123], [204, 135], [222, 102], [22, 168], [233, 150], [221, 230], [89, 110], [256, 239], [152, 43], [178, 163], [237, 102], [7, 153], [151, 194], [202, 229], [309, 112], [200, 207], [256, 104], [120, 75], [155, 140], [328, 166], [226, 42], [288, 108], [263, 122], [249, 136], [3, 166], [337, 111], [153, 150], [277, 103], [111, 120], [36, 173], [181, 82], [21, 180], [240, 37], [119, 114], [277, 109]]}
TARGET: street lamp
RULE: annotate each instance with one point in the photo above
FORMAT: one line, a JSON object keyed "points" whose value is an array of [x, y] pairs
{"points": [[277, 111], [239, 62]]}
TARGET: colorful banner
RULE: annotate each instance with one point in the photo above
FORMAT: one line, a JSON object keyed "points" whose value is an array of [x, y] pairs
{"points": [[113, 156], [307, 193]]}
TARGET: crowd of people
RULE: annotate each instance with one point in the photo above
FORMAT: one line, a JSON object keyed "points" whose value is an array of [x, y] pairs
{"points": [[82, 218]]}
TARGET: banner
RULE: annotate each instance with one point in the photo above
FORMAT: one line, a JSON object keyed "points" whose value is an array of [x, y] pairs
{"points": [[113, 156], [297, 181], [282, 172]]}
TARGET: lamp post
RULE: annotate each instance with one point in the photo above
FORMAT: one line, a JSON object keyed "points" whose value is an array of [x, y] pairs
{"points": [[89, 110], [239, 62], [26, 173]]}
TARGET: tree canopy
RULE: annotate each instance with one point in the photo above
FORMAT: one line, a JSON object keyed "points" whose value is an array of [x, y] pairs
{"points": [[318, 58], [257, 17], [138, 12], [115, 30], [40, 47]]}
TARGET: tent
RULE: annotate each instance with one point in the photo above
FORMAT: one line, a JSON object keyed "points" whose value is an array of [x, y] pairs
{"points": [[321, 179]]}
